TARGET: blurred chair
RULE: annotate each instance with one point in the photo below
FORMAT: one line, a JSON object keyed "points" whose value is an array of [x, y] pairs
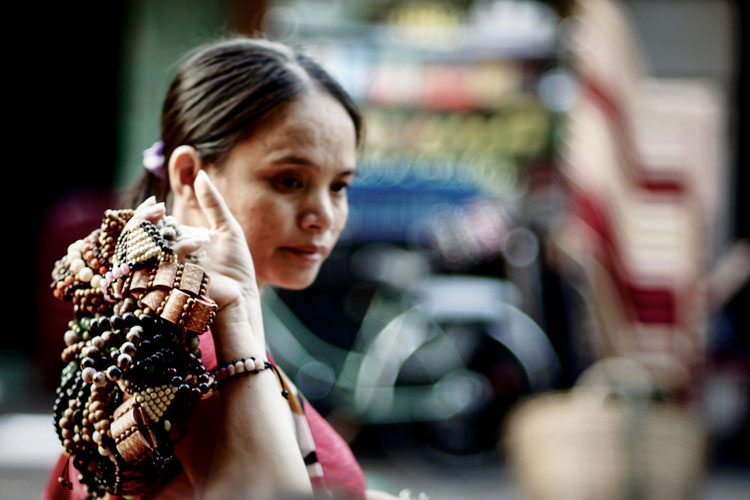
{"points": [[644, 164], [611, 437]]}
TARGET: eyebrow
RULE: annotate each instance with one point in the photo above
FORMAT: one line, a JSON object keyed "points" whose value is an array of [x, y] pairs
{"points": [[301, 160]]}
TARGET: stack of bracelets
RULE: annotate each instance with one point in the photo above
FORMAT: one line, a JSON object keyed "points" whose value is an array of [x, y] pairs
{"points": [[132, 363]]}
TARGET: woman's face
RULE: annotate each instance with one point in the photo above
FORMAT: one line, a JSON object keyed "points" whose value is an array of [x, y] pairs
{"points": [[287, 187]]}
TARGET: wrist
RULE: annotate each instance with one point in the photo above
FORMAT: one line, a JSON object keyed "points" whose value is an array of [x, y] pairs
{"points": [[233, 312], [235, 336]]}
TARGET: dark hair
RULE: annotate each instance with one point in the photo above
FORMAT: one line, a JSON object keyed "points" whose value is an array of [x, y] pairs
{"points": [[225, 90]]}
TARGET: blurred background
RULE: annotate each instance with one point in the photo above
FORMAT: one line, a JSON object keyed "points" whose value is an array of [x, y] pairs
{"points": [[542, 289]]}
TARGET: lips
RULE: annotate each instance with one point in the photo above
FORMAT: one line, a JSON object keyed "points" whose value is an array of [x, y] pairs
{"points": [[306, 253]]}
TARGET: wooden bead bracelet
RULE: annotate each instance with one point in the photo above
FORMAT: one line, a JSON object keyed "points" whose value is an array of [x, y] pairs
{"points": [[132, 359], [112, 264]]}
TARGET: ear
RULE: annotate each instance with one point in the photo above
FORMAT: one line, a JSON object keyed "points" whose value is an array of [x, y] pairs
{"points": [[184, 165]]}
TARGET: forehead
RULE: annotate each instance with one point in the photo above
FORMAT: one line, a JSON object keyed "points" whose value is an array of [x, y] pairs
{"points": [[316, 125]]}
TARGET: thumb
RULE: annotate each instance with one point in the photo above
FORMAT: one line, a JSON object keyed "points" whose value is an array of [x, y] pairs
{"points": [[211, 202]]}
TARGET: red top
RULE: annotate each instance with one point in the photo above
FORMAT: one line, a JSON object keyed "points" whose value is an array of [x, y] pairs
{"points": [[342, 474]]}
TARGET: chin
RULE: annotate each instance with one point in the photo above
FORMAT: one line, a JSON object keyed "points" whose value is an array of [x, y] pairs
{"points": [[295, 286], [295, 282]]}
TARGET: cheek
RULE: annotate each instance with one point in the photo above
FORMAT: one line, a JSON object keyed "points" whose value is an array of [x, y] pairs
{"points": [[265, 223], [341, 217], [252, 218]]}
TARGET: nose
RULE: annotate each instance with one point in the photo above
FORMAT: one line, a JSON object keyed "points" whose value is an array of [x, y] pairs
{"points": [[317, 212]]}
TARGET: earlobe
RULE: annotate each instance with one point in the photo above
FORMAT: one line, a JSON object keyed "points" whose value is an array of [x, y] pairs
{"points": [[184, 164]]}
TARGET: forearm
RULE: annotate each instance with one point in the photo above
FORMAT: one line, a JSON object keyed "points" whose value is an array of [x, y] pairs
{"points": [[256, 452]]}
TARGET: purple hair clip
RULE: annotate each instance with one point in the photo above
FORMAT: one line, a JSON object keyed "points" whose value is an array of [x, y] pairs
{"points": [[153, 159]]}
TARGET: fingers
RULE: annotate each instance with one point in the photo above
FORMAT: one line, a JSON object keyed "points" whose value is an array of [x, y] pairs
{"points": [[188, 246], [193, 238], [155, 212], [148, 210], [195, 233], [211, 202], [151, 200]]}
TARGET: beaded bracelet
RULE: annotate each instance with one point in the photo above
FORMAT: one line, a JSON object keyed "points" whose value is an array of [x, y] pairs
{"points": [[132, 359], [247, 366], [113, 265]]}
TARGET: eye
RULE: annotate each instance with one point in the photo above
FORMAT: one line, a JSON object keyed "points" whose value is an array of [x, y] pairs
{"points": [[340, 187], [287, 182]]}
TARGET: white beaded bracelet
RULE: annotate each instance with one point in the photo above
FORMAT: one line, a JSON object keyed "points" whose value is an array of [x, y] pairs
{"points": [[246, 366]]}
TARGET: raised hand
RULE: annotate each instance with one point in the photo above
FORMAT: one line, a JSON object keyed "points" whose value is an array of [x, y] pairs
{"points": [[233, 283], [230, 264]]}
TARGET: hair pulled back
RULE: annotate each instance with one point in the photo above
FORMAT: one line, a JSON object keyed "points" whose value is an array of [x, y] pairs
{"points": [[224, 91]]}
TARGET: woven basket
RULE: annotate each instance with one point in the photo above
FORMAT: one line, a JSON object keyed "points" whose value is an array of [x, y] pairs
{"points": [[599, 442]]}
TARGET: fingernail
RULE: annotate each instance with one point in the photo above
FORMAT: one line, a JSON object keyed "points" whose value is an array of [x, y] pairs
{"points": [[151, 199]]}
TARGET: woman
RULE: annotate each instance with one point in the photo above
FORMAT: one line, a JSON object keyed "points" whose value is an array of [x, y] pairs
{"points": [[259, 146]]}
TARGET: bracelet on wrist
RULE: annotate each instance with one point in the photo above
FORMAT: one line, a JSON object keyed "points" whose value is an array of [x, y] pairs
{"points": [[247, 366]]}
